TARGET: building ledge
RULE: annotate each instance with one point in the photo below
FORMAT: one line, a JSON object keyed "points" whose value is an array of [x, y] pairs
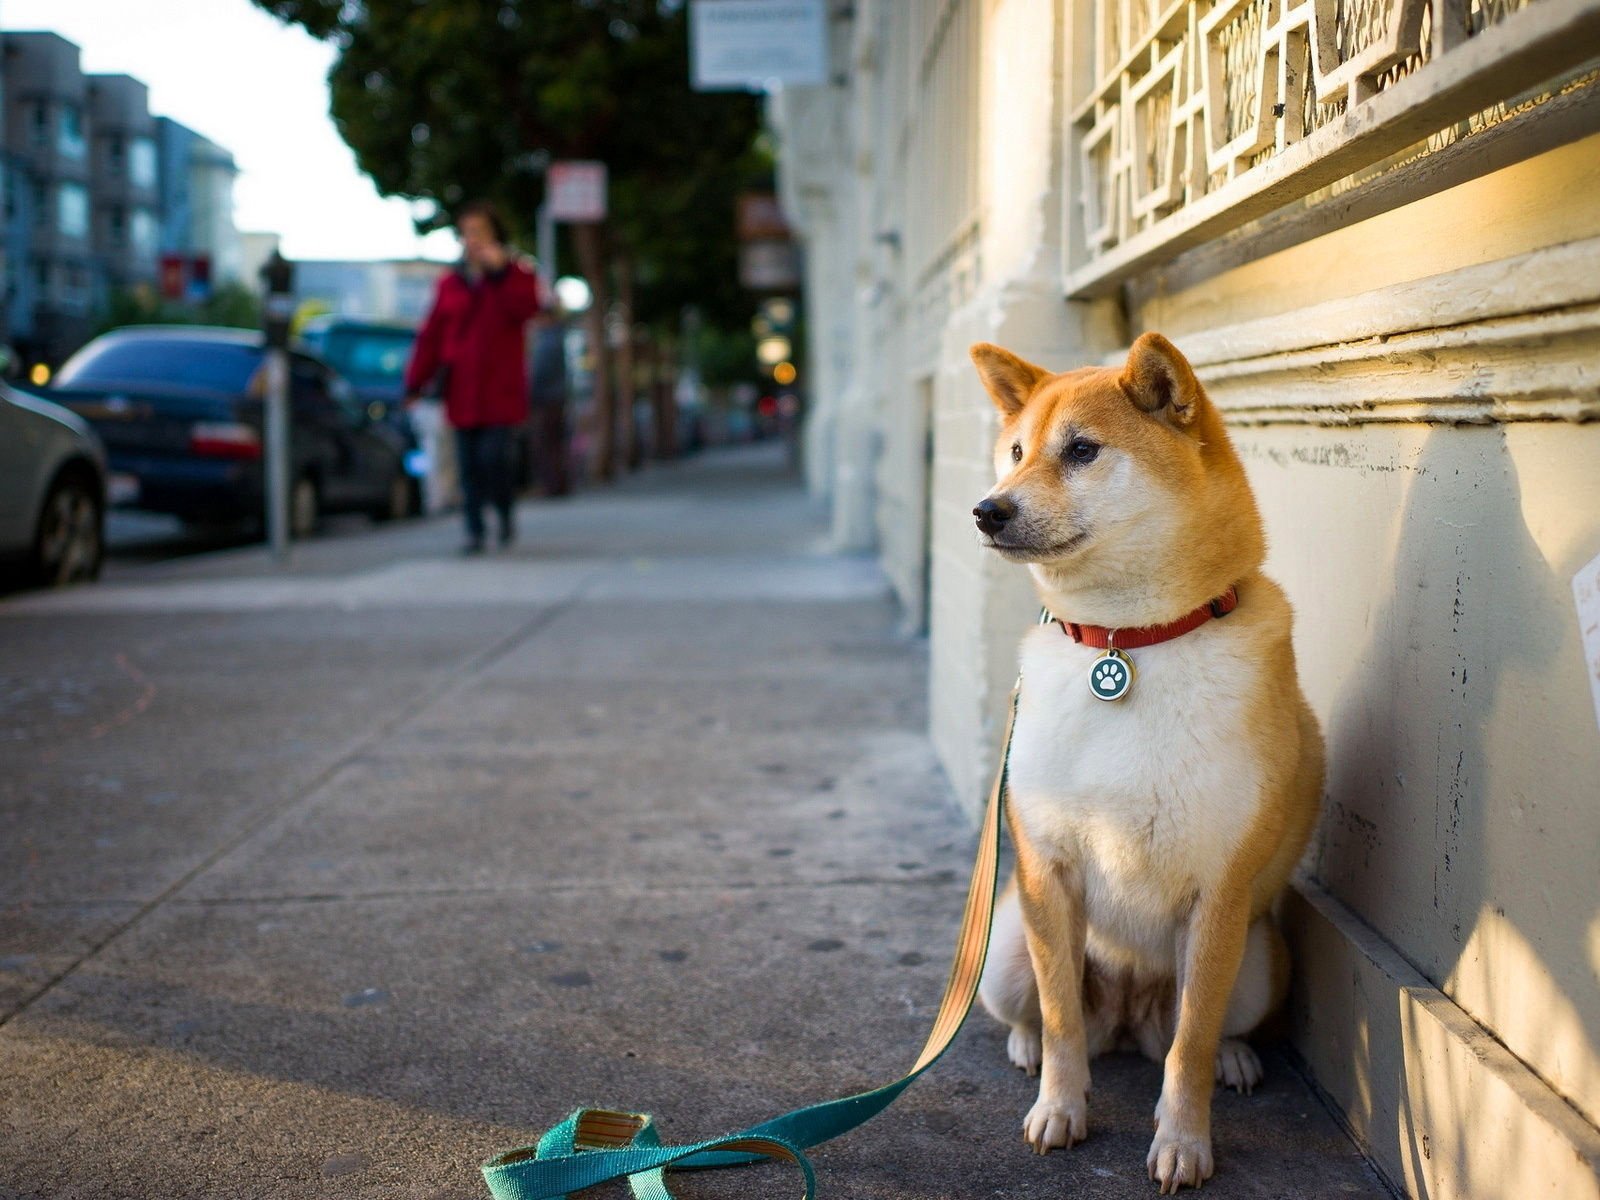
{"points": [[1439, 1106]]}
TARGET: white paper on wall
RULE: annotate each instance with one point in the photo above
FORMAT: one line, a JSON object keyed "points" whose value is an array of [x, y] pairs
{"points": [[1586, 593]]}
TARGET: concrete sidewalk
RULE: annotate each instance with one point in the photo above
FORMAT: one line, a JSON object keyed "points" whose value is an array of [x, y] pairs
{"points": [[337, 880]]}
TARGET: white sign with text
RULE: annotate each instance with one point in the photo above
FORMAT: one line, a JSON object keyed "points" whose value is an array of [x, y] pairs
{"points": [[751, 45], [1586, 593]]}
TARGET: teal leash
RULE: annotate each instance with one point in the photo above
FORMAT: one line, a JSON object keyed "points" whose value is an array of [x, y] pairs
{"points": [[595, 1145]]}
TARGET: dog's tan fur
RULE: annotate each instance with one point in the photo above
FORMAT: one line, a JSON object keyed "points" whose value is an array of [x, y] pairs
{"points": [[1154, 834]]}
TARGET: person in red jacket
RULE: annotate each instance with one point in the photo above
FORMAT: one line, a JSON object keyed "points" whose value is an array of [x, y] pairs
{"points": [[471, 348]]}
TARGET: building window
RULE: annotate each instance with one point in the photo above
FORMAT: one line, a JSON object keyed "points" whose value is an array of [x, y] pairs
{"points": [[73, 291], [41, 124], [72, 216], [142, 163], [114, 151], [146, 234], [70, 140], [117, 226], [41, 209], [41, 277]]}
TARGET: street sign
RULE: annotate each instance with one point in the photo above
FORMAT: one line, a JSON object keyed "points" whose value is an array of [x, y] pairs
{"points": [[761, 218], [185, 276], [575, 191], [172, 273], [753, 45]]}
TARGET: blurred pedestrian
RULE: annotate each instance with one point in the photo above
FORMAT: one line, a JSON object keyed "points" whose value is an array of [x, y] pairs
{"points": [[471, 348], [548, 400]]}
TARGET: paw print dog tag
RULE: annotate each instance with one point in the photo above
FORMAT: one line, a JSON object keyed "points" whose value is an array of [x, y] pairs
{"points": [[1111, 675]]}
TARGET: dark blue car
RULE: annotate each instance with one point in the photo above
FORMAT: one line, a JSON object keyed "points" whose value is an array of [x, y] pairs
{"points": [[180, 411]]}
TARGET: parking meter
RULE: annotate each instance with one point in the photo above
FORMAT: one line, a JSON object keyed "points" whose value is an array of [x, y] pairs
{"points": [[277, 312]]}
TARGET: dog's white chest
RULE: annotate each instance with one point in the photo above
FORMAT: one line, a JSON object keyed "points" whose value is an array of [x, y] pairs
{"points": [[1154, 792]]}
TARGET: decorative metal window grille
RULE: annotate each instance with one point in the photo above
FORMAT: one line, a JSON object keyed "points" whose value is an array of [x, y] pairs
{"points": [[1205, 114]]}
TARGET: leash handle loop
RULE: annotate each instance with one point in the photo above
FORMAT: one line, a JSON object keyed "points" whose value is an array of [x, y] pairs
{"points": [[594, 1145]]}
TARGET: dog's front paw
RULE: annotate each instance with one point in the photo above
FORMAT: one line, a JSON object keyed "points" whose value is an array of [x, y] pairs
{"points": [[1178, 1156], [1052, 1123], [1024, 1049], [1237, 1065]]}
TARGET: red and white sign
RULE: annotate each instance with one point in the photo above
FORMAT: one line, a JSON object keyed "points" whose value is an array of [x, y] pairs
{"points": [[761, 218], [576, 191]]}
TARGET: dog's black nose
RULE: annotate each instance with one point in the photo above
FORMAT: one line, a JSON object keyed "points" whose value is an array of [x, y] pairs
{"points": [[992, 514]]}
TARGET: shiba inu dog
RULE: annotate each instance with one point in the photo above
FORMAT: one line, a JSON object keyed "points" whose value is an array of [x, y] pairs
{"points": [[1165, 768]]}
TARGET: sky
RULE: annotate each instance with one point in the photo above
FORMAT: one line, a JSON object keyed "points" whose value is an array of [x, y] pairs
{"points": [[258, 89]]}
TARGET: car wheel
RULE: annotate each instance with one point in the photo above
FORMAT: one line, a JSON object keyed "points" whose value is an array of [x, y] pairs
{"points": [[69, 543], [305, 507], [397, 499]]}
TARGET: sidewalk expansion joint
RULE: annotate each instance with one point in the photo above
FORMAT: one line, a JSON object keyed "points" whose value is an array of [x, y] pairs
{"points": [[939, 879]]}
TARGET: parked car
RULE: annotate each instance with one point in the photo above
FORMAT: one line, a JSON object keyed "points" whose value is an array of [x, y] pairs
{"points": [[180, 410], [370, 355], [52, 491]]}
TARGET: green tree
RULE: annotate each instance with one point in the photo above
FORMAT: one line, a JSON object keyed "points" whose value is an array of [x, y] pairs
{"points": [[232, 303], [445, 102]]}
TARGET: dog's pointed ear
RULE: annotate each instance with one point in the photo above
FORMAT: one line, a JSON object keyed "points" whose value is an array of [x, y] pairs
{"points": [[1009, 379], [1160, 381]]}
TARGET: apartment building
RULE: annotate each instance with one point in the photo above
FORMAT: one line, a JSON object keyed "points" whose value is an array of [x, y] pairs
{"points": [[124, 178], [1375, 230], [197, 179], [47, 143], [96, 190]]}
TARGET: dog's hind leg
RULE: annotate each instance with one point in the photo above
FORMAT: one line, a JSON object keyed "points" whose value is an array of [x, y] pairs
{"points": [[1153, 1016], [1008, 988], [1258, 990]]}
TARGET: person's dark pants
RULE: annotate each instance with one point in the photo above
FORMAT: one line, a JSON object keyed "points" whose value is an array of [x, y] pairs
{"points": [[550, 449], [485, 456]]}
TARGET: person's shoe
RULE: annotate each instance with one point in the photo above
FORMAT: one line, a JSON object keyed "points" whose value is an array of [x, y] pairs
{"points": [[472, 547], [508, 533]]}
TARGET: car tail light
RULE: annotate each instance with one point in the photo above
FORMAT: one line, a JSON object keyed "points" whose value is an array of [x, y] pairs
{"points": [[225, 439]]}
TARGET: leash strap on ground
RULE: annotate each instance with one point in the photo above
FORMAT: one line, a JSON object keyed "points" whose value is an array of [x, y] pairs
{"points": [[595, 1145]]}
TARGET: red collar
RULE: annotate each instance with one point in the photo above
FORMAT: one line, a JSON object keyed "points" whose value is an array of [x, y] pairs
{"points": [[1101, 638]]}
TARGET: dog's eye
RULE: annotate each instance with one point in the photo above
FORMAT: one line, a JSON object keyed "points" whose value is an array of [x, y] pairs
{"points": [[1082, 450], [1016, 451]]}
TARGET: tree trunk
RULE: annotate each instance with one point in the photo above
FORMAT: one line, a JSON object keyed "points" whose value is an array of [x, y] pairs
{"points": [[589, 241], [665, 382], [628, 450]]}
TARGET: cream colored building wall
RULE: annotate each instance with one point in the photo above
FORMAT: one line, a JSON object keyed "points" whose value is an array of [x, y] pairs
{"points": [[884, 115], [1409, 372], [1421, 431], [818, 186], [1431, 564]]}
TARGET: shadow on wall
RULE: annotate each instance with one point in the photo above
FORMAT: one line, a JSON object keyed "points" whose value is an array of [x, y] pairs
{"points": [[1453, 826]]}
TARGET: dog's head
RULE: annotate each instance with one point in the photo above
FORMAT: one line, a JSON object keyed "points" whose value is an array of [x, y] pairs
{"points": [[1118, 485]]}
